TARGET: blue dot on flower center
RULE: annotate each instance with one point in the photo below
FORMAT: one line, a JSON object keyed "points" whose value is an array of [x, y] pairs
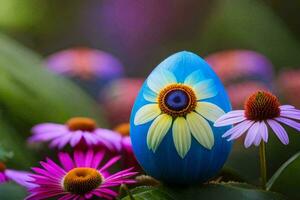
{"points": [[177, 100]]}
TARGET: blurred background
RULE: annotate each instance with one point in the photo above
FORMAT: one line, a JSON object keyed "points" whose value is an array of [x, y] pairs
{"points": [[60, 59]]}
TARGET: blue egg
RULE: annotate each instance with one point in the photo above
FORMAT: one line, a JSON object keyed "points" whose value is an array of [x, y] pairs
{"points": [[171, 125]]}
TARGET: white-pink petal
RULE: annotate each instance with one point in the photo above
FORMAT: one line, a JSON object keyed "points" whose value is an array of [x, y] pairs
{"points": [[279, 131], [251, 135], [289, 122], [238, 130], [263, 129], [230, 118], [286, 107]]}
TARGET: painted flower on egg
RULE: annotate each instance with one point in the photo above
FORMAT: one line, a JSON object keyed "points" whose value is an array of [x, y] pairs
{"points": [[180, 107], [171, 124]]}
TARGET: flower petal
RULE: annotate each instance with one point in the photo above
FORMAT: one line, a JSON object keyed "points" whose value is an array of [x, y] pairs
{"points": [[181, 136], [257, 140], [159, 78], [293, 114], [263, 129], [289, 122], [158, 130], [209, 111], [238, 130], [146, 114], [149, 95], [201, 130], [251, 135], [205, 89], [231, 118], [194, 78], [279, 131], [287, 107]]}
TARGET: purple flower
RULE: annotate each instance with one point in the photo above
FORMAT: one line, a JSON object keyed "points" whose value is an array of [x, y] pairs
{"points": [[92, 69], [79, 178], [261, 109], [232, 65], [20, 177], [77, 131], [85, 63]]}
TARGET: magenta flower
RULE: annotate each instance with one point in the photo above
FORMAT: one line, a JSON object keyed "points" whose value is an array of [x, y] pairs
{"points": [[80, 178], [128, 156], [20, 177], [261, 109], [78, 131]]}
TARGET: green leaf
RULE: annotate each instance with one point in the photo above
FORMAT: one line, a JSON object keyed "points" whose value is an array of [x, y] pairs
{"points": [[286, 179], [23, 157], [11, 191], [4, 154], [232, 191], [32, 94], [245, 162], [148, 193]]}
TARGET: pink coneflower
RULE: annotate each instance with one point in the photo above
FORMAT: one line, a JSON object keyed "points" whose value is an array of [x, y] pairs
{"points": [[261, 109], [20, 177], [77, 131], [79, 178], [232, 65], [118, 98], [85, 63], [128, 156]]}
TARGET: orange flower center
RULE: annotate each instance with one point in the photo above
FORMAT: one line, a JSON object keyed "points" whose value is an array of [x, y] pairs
{"points": [[177, 100], [2, 167], [123, 129], [262, 105], [82, 124], [82, 180]]}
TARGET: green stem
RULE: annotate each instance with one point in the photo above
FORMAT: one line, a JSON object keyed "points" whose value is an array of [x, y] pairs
{"points": [[263, 164], [125, 188]]}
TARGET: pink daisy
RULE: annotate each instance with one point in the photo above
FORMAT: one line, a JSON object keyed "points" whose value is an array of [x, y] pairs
{"points": [[79, 178], [77, 131], [19, 177], [261, 109]]}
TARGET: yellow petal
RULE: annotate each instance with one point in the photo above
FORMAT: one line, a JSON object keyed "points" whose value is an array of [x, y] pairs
{"points": [[200, 130], [160, 78], [146, 114], [181, 136], [209, 111], [205, 89], [158, 130]]}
